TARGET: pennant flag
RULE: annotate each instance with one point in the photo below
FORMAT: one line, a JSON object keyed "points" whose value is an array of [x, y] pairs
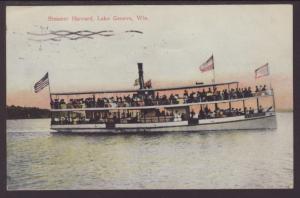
{"points": [[148, 84], [136, 82], [41, 84], [262, 71], [208, 65]]}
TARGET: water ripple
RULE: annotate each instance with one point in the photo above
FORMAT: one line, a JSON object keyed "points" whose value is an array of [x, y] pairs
{"points": [[39, 160]]}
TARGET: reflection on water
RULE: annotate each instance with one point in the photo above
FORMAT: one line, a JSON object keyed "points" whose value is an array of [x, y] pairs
{"points": [[38, 159]]}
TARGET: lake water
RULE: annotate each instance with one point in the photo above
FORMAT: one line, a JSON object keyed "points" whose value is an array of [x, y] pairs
{"points": [[40, 160]]}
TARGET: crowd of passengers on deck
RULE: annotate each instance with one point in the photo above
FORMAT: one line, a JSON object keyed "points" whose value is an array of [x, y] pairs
{"points": [[206, 113], [149, 100], [160, 116]]}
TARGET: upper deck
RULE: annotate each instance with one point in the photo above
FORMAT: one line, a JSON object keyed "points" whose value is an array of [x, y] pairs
{"points": [[160, 106], [198, 96]]}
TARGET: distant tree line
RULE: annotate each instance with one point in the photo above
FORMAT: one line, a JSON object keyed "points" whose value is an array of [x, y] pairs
{"points": [[17, 112]]}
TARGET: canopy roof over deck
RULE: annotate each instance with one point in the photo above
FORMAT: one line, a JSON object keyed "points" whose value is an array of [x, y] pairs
{"points": [[141, 90]]}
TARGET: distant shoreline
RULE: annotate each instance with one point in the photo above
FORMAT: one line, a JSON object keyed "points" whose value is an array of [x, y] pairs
{"points": [[17, 112], [26, 118]]}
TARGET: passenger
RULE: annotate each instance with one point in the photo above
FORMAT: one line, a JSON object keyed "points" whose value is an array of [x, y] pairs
{"points": [[201, 114], [249, 92], [240, 95], [186, 93], [209, 90], [115, 119], [237, 112], [198, 96], [225, 94], [214, 90], [191, 97], [62, 104], [176, 97], [177, 116], [193, 113], [245, 93], [183, 116], [52, 104], [246, 111], [206, 110], [240, 111], [233, 112], [209, 95], [234, 94], [221, 113], [157, 96], [211, 114], [203, 95], [260, 109], [157, 112], [251, 111], [185, 99], [171, 99]]}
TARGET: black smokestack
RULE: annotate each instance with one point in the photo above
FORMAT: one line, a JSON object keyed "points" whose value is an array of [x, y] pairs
{"points": [[141, 75]]}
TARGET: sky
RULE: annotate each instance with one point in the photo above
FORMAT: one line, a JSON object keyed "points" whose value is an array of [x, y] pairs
{"points": [[175, 41]]}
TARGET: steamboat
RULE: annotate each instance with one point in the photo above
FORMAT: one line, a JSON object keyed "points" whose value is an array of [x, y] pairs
{"points": [[199, 107]]}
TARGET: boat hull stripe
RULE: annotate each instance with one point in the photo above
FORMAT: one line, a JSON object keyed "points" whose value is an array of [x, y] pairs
{"points": [[272, 125]]}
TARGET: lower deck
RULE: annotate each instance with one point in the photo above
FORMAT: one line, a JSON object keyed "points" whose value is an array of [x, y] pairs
{"points": [[256, 121]]}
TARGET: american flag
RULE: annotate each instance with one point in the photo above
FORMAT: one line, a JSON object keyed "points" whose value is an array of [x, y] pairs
{"points": [[262, 71], [41, 84], [208, 65]]}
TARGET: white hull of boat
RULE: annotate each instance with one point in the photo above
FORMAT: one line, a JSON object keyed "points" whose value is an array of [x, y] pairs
{"points": [[218, 124]]}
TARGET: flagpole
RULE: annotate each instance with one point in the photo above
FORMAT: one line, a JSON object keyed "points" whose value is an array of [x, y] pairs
{"points": [[49, 89], [272, 90], [50, 98], [214, 78], [270, 78]]}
